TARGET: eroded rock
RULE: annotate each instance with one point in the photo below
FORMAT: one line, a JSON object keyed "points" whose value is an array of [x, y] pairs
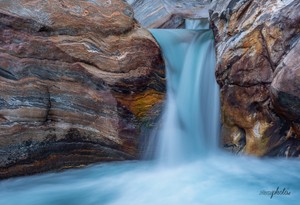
{"points": [[78, 79], [257, 45]]}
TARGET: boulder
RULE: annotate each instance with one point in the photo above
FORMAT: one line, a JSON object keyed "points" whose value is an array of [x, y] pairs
{"points": [[257, 45], [79, 82]]}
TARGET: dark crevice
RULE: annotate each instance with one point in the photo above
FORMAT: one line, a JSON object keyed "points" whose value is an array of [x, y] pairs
{"points": [[249, 85], [264, 43], [290, 148], [48, 105], [244, 10], [6, 74]]}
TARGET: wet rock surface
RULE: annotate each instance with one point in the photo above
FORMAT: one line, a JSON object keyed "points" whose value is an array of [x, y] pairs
{"points": [[257, 44], [79, 80]]}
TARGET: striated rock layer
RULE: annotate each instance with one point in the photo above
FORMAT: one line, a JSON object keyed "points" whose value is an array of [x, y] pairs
{"points": [[258, 69], [79, 81], [168, 13]]}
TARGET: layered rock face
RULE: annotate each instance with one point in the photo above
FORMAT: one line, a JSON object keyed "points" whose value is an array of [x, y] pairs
{"points": [[258, 69], [79, 80], [168, 13]]}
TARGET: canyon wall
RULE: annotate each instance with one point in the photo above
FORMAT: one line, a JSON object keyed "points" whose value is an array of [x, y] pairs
{"points": [[258, 70], [79, 82]]}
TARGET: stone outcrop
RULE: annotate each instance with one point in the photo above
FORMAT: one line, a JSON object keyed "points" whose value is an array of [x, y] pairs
{"points": [[168, 13], [79, 81], [257, 45], [258, 70]]}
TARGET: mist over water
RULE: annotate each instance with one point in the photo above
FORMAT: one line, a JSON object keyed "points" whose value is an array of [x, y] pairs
{"points": [[210, 181], [188, 168]]}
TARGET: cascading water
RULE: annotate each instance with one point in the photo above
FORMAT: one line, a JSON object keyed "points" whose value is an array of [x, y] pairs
{"points": [[189, 130], [190, 122], [196, 24]]}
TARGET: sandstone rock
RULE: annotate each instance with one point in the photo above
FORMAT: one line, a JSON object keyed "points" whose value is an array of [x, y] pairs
{"points": [[257, 44], [78, 80]]}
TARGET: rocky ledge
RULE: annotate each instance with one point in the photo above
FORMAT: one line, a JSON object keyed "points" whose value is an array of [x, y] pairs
{"points": [[79, 81], [258, 69]]}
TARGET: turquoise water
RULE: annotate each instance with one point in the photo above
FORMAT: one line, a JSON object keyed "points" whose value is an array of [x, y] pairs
{"points": [[190, 126], [214, 180], [187, 168]]}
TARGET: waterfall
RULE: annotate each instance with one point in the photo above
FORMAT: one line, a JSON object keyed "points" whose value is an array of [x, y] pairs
{"points": [[190, 123], [189, 131], [196, 24]]}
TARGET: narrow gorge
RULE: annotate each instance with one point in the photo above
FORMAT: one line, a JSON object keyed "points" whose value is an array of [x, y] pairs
{"points": [[153, 102], [257, 67]]}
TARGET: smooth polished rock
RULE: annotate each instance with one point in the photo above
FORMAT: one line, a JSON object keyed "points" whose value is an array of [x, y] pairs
{"points": [[79, 81], [257, 44]]}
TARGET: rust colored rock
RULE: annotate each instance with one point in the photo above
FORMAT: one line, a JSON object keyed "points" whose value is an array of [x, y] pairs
{"points": [[79, 81], [257, 45]]}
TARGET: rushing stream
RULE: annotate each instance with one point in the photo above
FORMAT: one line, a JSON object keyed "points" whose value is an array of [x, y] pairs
{"points": [[187, 168]]}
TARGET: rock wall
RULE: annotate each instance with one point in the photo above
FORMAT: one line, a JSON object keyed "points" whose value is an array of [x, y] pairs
{"points": [[258, 70], [79, 80]]}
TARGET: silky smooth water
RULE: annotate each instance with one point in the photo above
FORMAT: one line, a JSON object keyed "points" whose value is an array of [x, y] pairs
{"points": [[215, 180], [196, 24], [199, 175], [191, 119]]}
